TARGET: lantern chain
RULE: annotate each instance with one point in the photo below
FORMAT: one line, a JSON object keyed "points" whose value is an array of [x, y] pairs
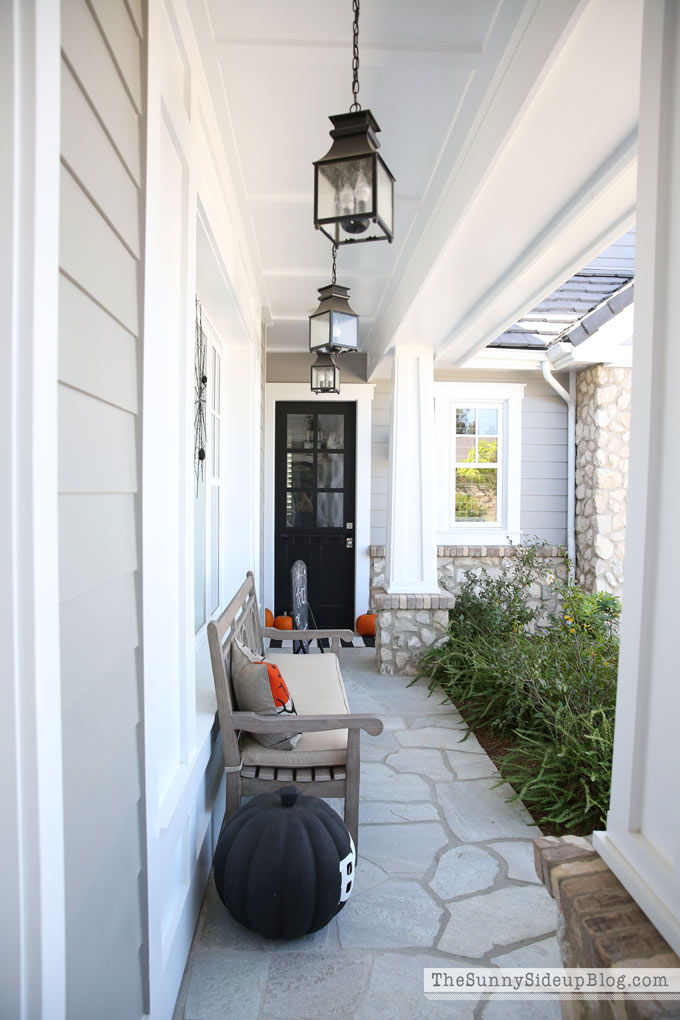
{"points": [[356, 105], [335, 252]]}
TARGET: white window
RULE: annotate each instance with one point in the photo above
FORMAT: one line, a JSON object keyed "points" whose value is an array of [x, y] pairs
{"points": [[479, 434], [208, 502]]}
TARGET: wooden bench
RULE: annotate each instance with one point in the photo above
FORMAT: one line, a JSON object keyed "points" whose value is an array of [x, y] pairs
{"points": [[326, 761]]}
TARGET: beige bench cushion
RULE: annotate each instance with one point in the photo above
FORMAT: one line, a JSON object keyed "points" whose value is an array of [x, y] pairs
{"points": [[316, 687]]}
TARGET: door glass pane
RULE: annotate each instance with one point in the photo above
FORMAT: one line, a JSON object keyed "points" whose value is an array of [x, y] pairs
{"points": [[330, 510], [214, 548], [465, 421], [476, 494], [299, 471], [215, 436], [300, 509], [299, 431], [330, 470], [199, 553], [487, 421], [330, 432], [216, 382]]}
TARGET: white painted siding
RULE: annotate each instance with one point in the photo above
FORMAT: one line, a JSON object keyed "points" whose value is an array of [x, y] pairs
{"points": [[99, 329], [543, 498]]}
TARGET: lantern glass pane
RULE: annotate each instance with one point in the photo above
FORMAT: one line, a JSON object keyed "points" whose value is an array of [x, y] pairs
{"points": [[328, 180], [385, 197], [345, 330], [319, 331], [345, 188]]}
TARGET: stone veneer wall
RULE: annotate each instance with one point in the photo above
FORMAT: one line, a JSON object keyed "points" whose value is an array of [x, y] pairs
{"points": [[453, 563], [407, 625], [602, 437]]}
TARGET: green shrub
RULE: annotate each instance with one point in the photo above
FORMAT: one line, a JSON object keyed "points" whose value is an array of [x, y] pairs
{"points": [[549, 689], [564, 775]]}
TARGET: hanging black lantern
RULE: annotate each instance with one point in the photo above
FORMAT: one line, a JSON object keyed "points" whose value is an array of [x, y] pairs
{"points": [[333, 327], [325, 375], [353, 188]]}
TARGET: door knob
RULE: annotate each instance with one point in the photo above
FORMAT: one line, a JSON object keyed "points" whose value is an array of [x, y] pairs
{"points": [[349, 543]]}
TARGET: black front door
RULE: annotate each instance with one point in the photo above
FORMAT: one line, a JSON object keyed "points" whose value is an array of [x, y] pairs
{"points": [[314, 516]]}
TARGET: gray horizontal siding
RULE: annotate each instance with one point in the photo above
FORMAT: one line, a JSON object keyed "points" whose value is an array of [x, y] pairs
{"points": [[543, 500], [99, 328], [96, 354]]}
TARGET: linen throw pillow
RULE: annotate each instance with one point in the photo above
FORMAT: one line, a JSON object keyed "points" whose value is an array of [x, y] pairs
{"points": [[259, 687]]}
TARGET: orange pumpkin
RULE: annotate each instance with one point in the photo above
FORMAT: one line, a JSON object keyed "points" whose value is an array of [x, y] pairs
{"points": [[268, 618], [284, 622], [366, 625]]}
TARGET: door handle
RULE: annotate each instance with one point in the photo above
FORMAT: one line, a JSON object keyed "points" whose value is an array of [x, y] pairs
{"points": [[349, 543]]}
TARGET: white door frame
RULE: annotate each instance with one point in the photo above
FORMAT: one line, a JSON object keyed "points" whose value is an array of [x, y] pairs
{"points": [[360, 394]]}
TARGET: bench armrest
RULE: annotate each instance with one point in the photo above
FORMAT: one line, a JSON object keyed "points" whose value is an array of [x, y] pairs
{"points": [[306, 635], [252, 722]]}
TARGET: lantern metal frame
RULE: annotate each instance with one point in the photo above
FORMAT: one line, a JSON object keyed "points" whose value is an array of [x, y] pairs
{"points": [[325, 361], [333, 301], [355, 139]]}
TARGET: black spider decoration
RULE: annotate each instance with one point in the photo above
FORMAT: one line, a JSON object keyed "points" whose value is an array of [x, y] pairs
{"points": [[200, 383]]}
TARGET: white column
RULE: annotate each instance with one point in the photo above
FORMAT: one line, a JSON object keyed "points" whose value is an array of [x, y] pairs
{"points": [[642, 841], [411, 554]]}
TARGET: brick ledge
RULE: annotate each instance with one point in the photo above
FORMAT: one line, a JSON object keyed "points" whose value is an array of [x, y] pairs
{"points": [[550, 551], [603, 925], [409, 600]]}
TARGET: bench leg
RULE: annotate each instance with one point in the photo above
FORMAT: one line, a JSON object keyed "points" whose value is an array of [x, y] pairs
{"points": [[233, 797], [353, 768]]}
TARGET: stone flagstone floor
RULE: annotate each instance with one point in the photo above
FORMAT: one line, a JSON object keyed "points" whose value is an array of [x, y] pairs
{"points": [[445, 878]]}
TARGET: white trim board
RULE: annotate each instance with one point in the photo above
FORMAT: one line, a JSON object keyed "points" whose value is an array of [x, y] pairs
{"points": [[362, 395], [32, 967]]}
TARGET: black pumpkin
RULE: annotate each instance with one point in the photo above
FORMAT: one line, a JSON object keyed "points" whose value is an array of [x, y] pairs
{"points": [[284, 864]]}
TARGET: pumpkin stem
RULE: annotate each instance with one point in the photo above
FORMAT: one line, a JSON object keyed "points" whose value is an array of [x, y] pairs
{"points": [[289, 795]]}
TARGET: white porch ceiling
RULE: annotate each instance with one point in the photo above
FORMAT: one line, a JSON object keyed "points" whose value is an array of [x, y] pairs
{"points": [[504, 122]]}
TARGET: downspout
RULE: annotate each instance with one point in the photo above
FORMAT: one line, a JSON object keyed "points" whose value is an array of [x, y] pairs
{"points": [[570, 400]]}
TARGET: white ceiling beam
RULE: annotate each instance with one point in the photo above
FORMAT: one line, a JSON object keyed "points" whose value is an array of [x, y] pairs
{"points": [[285, 46], [601, 211], [491, 119], [260, 200], [291, 272]]}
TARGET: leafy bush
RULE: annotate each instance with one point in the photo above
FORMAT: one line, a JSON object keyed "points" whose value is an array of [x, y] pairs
{"points": [[550, 690], [564, 776]]}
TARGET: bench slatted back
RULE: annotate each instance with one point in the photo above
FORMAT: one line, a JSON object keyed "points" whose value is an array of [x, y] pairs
{"points": [[241, 619]]}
